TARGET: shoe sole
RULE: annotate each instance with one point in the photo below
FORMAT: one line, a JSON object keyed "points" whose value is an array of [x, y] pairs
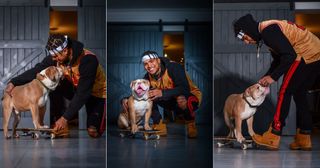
{"points": [[265, 146], [300, 148]]}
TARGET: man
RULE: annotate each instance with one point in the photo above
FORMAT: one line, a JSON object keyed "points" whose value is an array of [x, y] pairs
{"points": [[172, 89], [296, 55], [84, 84]]}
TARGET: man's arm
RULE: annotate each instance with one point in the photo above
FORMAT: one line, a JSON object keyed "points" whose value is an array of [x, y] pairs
{"points": [[88, 69], [181, 85], [30, 74], [278, 42], [275, 62]]}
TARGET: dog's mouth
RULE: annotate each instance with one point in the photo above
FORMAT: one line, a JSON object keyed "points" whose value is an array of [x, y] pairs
{"points": [[140, 91]]}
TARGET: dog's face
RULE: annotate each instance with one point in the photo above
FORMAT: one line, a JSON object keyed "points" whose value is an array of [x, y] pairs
{"points": [[257, 92], [140, 87], [50, 76]]}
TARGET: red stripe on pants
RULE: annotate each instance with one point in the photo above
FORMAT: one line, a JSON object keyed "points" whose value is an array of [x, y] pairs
{"points": [[276, 119]]}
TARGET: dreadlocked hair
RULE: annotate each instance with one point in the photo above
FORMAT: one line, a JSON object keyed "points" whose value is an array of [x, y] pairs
{"points": [[55, 40]]}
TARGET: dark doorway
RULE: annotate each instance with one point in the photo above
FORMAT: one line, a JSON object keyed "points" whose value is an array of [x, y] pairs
{"points": [[64, 22], [173, 46], [311, 21]]}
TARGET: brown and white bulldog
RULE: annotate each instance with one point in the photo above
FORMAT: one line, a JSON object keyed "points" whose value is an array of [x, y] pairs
{"points": [[139, 106], [243, 106], [30, 97]]}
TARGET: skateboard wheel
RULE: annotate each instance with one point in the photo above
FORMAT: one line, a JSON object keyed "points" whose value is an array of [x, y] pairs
{"points": [[122, 135], [244, 146], [146, 137], [52, 136], [35, 136], [219, 144], [157, 137]]}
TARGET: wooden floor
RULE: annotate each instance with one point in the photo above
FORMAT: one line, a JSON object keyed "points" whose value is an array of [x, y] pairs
{"points": [[77, 151], [173, 151], [254, 158]]}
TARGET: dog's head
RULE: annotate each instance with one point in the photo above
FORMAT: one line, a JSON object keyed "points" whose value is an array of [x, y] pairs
{"points": [[256, 94], [140, 87], [50, 77]]}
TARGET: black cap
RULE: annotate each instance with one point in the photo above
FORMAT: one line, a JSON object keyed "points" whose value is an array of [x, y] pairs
{"points": [[247, 25]]}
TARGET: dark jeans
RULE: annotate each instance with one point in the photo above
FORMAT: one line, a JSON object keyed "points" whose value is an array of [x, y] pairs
{"points": [[188, 114]]}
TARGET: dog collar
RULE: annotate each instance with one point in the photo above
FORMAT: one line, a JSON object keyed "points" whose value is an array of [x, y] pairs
{"points": [[44, 85], [245, 99], [141, 99]]}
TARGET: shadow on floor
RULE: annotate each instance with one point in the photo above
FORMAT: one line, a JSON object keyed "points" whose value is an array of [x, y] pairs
{"points": [[173, 151]]}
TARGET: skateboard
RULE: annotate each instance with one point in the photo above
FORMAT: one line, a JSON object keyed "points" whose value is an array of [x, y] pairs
{"points": [[34, 132], [225, 141], [147, 134]]}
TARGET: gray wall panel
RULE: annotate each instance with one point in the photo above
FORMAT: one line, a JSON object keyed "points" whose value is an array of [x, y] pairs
{"points": [[20, 41], [236, 66]]}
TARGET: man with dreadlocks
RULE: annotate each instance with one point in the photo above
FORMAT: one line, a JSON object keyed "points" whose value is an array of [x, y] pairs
{"points": [[296, 55], [84, 84], [172, 89]]}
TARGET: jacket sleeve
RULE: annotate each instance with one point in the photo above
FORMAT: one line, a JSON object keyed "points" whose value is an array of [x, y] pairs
{"points": [[30, 74], [88, 69], [179, 78], [277, 41], [275, 62]]}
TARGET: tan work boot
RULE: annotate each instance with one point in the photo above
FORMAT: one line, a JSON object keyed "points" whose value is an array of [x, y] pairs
{"points": [[162, 127], [268, 140], [62, 133], [93, 132], [191, 129], [301, 141]]}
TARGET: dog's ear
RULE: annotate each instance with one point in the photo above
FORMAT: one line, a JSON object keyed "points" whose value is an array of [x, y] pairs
{"points": [[132, 83], [246, 93], [40, 77], [147, 82]]}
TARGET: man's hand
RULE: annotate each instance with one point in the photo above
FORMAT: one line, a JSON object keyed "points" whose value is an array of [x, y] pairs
{"points": [[156, 93], [266, 81], [61, 124], [9, 88]]}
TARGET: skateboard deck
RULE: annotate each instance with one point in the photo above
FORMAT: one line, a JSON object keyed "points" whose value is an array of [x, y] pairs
{"points": [[146, 134], [34, 132], [230, 142]]}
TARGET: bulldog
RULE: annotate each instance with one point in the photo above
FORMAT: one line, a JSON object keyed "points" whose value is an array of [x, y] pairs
{"points": [[32, 97], [139, 106], [243, 106]]}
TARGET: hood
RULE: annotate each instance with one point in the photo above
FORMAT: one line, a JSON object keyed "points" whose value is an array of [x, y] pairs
{"points": [[77, 49], [248, 25]]}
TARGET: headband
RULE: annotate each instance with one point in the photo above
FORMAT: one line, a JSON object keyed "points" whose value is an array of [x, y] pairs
{"points": [[240, 35], [149, 56], [60, 48]]}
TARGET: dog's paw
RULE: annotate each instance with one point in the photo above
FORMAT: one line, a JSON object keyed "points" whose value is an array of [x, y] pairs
{"points": [[147, 127], [44, 126], [134, 129], [8, 136], [16, 135]]}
